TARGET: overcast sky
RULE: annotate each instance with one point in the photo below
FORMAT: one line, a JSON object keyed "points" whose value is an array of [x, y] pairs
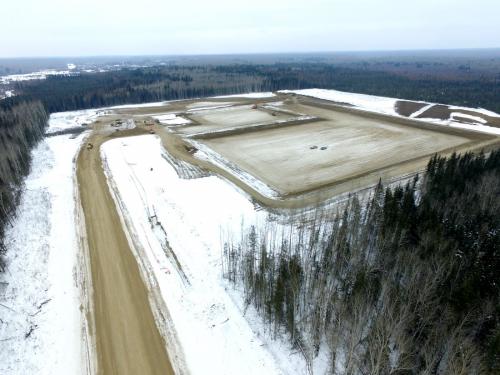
{"points": [[134, 27]]}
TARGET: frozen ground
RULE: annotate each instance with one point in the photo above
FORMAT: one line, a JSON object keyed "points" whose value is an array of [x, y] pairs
{"points": [[172, 119], [388, 106], [205, 152], [456, 124], [65, 120], [478, 110], [144, 105], [41, 323], [225, 119], [41, 329], [252, 95], [215, 335], [201, 104], [367, 102], [33, 76], [341, 147]]}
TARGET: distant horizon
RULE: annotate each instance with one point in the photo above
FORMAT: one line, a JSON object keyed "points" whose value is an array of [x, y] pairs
{"points": [[297, 52]]}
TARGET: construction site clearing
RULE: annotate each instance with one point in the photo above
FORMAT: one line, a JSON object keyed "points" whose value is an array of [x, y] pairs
{"points": [[290, 150]]}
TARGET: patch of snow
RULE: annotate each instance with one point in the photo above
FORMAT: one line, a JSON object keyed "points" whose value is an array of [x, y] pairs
{"points": [[387, 106], [478, 110], [274, 105], [129, 124], [422, 110], [208, 104], [65, 120], [71, 66], [476, 127], [476, 119], [215, 334], [41, 325], [473, 127], [172, 119], [206, 153], [361, 101], [211, 108], [143, 105], [34, 76], [251, 95]]}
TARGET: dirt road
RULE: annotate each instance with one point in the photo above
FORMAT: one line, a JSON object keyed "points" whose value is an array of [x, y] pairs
{"points": [[127, 338]]}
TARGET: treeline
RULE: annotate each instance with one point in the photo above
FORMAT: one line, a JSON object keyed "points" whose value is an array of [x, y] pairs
{"points": [[21, 127], [142, 85], [90, 90], [407, 283]]}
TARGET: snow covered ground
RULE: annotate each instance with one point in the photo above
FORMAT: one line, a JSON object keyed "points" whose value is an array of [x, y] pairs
{"points": [[367, 102], [387, 106], [206, 153], [143, 105], [34, 76], [215, 335], [41, 322], [456, 124], [203, 104], [65, 120], [251, 95], [41, 326], [478, 110], [172, 119]]}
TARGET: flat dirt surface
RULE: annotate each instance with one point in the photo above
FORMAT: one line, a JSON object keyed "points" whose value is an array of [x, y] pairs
{"points": [[230, 117], [361, 147], [291, 159], [127, 338]]}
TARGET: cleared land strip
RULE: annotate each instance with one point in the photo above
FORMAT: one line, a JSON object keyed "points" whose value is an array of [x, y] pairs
{"points": [[127, 338]]}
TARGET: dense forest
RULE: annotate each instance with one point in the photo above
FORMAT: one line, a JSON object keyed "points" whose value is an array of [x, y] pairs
{"points": [[89, 90], [407, 282], [22, 115], [21, 126]]}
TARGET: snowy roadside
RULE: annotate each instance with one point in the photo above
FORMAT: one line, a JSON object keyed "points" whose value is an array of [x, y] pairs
{"points": [[167, 216], [206, 153], [42, 329]]}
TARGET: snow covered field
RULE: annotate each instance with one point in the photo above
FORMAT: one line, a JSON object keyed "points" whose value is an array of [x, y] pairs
{"points": [[214, 334], [42, 327], [367, 102], [387, 106], [172, 119], [33, 76], [251, 95], [65, 120]]}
